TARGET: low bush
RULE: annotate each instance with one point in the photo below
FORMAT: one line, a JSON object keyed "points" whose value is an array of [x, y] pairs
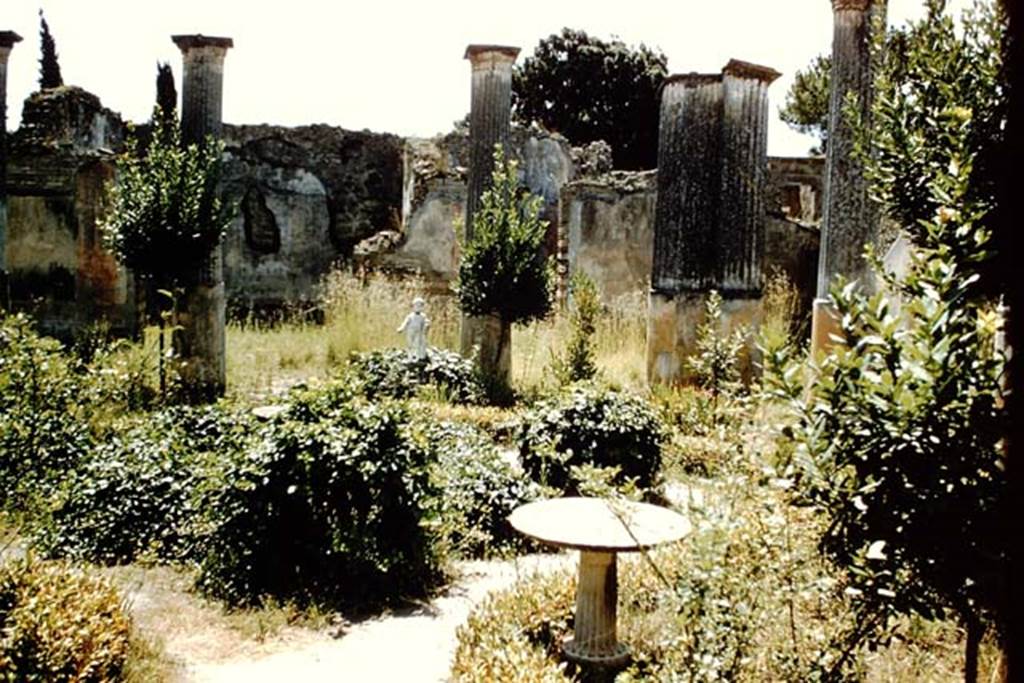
{"points": [[328, 507], [42, 433], [588, 424], [397, 374], [514, 635], [143, 491], [479, 489], [57, 624]]}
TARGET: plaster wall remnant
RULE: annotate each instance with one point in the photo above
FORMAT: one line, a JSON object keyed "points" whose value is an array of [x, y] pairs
{"points": [[325, 188], [710, 213], [850, 218], [201, 342], [7, 41], [490, 116], [57, 171]]}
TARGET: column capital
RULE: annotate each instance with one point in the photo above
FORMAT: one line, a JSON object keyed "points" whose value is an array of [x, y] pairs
{"points": [[8, 39], [489, 56], [742, 69], [189, 42], [692, 79], [856, 5]]}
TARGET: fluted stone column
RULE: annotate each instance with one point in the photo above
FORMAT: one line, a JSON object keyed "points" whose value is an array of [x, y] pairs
{"points": [[490, 117], [744, 177], [689, 181], [710, 215], [849, 220], [201, 343], [7, 41]]}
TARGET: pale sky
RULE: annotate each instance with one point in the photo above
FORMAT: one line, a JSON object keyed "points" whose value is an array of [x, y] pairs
{"points": [[391, 66]]}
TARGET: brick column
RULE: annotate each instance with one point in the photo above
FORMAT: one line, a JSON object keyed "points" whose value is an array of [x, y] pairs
{"points": [[490, 117], [201, 344], [849, 220], [7, 41]]}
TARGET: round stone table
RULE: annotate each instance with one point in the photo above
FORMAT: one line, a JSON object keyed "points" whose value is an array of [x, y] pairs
{"points": [[599, 529]]}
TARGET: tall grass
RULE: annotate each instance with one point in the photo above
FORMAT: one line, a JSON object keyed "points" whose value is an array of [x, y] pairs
{"points": [[364, 314]]}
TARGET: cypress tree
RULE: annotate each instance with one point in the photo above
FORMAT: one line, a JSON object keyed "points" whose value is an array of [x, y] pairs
{"points": [[49, 68]]}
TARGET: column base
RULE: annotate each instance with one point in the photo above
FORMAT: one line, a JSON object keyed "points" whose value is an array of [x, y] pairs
{"points": [[581, 654], [824, 324]]}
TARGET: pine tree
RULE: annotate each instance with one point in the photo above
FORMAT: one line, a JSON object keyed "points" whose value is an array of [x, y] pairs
{"points": [[49, 68]]}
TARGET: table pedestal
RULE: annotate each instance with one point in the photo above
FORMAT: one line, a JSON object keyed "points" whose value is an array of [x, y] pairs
{"points": [[597, 594]]}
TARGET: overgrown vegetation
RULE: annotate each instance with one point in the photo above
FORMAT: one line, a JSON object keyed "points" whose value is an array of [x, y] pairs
{"points": [[58, 624], [398, 374], [591, 426], [328, 506], [577, 363], [899, 429]]}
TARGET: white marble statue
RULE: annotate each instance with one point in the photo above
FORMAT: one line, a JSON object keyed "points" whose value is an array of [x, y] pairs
{"points": [[415, 327]]}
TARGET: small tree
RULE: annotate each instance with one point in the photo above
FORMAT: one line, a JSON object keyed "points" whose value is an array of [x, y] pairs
{"points": [[900, 428], [165, 212], [577, 364], [503, 273], [590, 89], [49, 68], [806, 107]]}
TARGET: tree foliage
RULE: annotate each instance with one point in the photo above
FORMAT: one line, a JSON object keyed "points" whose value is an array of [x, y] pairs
{"points": [[589, 89], [899, 429], [503, 272], [49, 68], [807, 102], [166, 214]]}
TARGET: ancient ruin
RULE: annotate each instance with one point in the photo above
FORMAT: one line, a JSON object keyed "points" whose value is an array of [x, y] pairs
{"points": [[490, 117], [312, 197], [7, 41], [710, 214], [201, 343], [850, 218]]}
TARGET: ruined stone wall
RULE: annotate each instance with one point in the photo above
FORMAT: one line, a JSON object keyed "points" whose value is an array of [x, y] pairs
{"points": [[607, 226], [434, 197], [306, 196], [60, 160]]}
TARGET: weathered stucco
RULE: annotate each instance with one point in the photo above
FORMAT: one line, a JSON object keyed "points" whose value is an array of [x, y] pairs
{"points": [[607, 228], [672, 324], [306, 196], [60, 160]]}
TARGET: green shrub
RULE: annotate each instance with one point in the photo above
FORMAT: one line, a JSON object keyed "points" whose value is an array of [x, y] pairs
{"points": [[577, 364], [716, 363], [588, 424], [57, 624], [396, 373], [142, 491], [42, 435], [479, 489], [329, 506]]}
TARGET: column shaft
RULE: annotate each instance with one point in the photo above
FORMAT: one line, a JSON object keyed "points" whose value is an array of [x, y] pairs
{"points": [[850, 220], [7, 41], [202, 344], [490, 117]]}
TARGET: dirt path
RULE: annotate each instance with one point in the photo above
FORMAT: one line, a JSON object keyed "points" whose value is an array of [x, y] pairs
{"points": [[413, 645]]}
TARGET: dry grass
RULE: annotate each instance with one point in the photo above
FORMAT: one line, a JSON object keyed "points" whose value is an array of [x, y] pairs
{"points": [[363, 315]]}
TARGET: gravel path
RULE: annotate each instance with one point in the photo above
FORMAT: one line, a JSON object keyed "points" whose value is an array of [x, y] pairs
{"points": [[409, 646]]}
